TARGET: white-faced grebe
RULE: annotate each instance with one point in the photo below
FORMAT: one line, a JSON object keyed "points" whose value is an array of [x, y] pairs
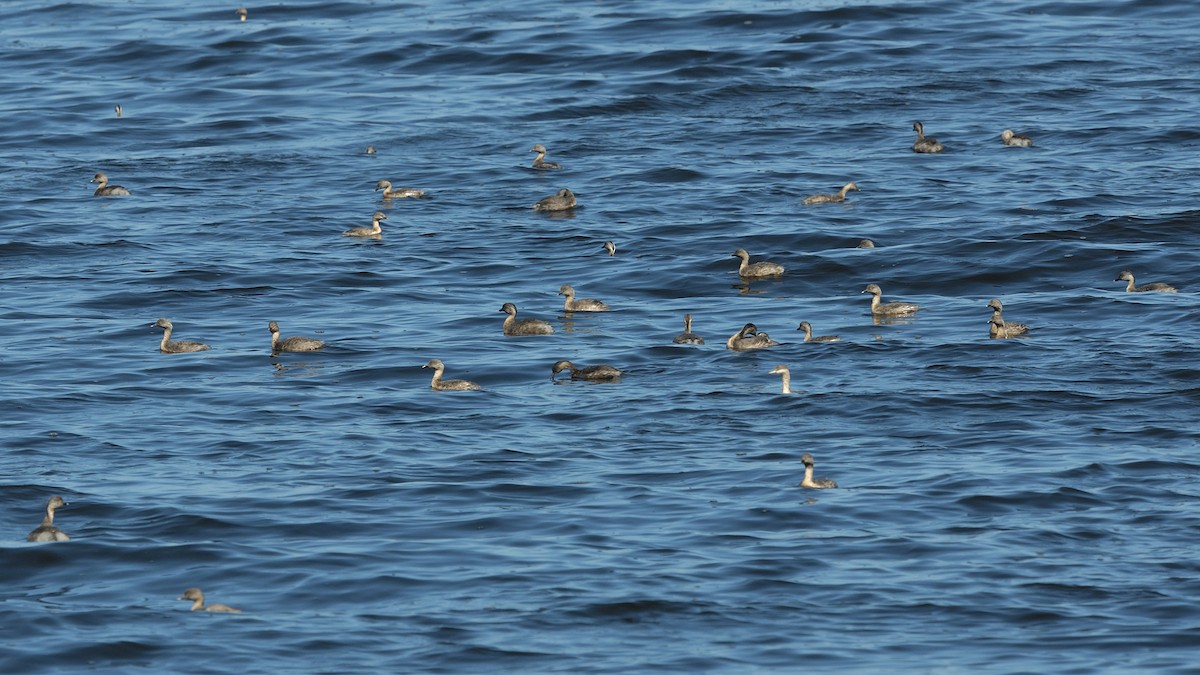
{"points": [[1015, 140], [880, 308], [373, 231], [540, 162], [809, 481], [808, 336], [758, 269], [923, 144], [562, 200], [601, 372], [295, 343], [1156, 287], [197, 598], [610, 247], [1004, 329], [103, 189], [167, 346], [687, 337], [831, 199], [749, 338], [525, 326], [399, 193], [787, 377], [582, 304], [47, 531], [448, 385]]}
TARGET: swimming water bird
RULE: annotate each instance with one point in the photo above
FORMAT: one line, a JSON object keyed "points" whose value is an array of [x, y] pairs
{"points": [[167, 346], [787, 377], [610, 247], [831, 199], [880, 308], [241, 12], [540, 162], [687, 337], [401, 193], [1003, 329], [197, 598], [749, 338], [865, 243], [448, 385], [759, 269], [103, 189], [570, 304], [370, 150], [1156, 287], [373, 231], [1008, 138], [295, 343], [596, 373], [117, 109], [525, 326], [47, 531], [923, 144], [809, 481], [808, 336], [562, 200]]}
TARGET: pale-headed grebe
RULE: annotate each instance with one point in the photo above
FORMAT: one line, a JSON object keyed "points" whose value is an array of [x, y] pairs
{"points": [[562, 200], [600, 372], [865, 243], [808, 336], [1156, 287], [1004, 329], [524, 326], [242, 13], [167, 346], [758, 269], [749, 338], [197, 598], [295, 343], [540, 162], [610, 247], [117, 109], [809, 481], [787, 377], [923, 144], [1015, 140], [831, 199], [400, 193], [582, 304], [448, 385], [47, 531], [687, 337], [880, 308], [373, 231], [103, 189]]}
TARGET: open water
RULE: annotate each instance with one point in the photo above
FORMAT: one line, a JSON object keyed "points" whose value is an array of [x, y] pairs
{"points": [[1025, 505]]}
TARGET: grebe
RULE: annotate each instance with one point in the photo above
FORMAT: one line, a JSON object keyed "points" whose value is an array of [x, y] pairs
{"points": [[601, 372], [525, 326], [295, 343], [1156, 287], [582, 304], [687, 337], [540, 162], [401, 193], [879, 308], [167, 346], [448, 385], [809, 481], [47, 531], [808, 336], [197, 598], [831, 199], [373, 231], [787, 377], [923, 144], [562, 200], [757, 270], [103, 189], [1015, 140]]}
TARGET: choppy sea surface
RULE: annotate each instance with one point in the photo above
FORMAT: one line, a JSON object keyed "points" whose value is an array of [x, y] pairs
{"points": [[1023, 505]]}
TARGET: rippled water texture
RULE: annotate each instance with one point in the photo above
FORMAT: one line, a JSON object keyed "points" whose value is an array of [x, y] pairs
{"points": [[1023, 505]]}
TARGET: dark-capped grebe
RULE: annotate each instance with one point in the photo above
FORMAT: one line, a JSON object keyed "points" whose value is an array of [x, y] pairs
{"points": [[923, 144], [373, 231], [242, 13], [47, 531], [808, 336], [601, 372], [1003, 329], [295, 343], [787, 377], [1008, 138], [103, 189], [610, 247], [687, 337], [582, 304], [525, 326], [400, 193], [448, 385], [809, 481], [540, 162], [749, 338], [167, 346], [197, 598], [562, 200], [831, 199], [880, 308], [757, 270], [1156, 287]]}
